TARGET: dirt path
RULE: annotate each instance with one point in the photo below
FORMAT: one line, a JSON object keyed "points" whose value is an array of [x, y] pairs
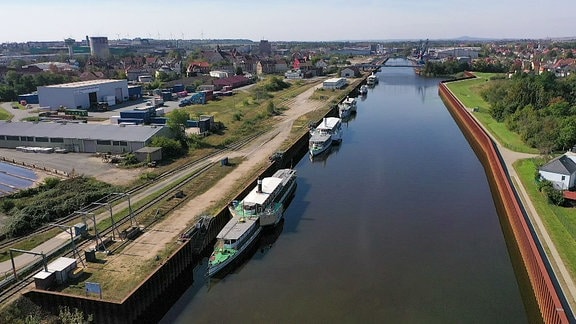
{"points": [[165, 233]]}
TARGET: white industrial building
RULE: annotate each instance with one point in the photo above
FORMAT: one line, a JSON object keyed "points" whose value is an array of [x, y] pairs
{"points": [[77, 137], [334, 83], [83, 94]]}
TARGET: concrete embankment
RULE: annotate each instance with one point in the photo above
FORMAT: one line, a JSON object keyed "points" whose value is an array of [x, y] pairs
{"points": [[544, 300]]}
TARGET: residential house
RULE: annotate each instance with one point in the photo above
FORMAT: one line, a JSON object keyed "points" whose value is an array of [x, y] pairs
{"points": [[280, 66], [246, 63], [561, 171], [132, 73], [196, 68], [265, 67]]}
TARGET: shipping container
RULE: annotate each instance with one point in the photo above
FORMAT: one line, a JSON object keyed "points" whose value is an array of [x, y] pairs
{"points": [[177, 88], [134, 92], [198, 98], [166, 96], [131, 121], [30, 98], [158, 120]]}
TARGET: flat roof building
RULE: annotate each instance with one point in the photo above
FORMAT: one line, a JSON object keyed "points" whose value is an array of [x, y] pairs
{"points": [[85, 138], [83, 94], [334, 83]]}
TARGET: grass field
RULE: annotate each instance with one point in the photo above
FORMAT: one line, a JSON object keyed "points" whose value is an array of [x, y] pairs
{"points": [[4, 115], [560, 222], [468, 91]]}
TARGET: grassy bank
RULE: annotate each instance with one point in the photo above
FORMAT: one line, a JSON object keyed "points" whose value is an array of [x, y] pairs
{"points": [[5, 115], [468, 91], [560, 222]]}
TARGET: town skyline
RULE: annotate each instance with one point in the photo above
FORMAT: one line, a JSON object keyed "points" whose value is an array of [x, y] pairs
{"points": [[295, 20]]}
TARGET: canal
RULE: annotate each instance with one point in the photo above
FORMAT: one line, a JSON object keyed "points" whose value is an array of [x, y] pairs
{"points": [[397, 225]]}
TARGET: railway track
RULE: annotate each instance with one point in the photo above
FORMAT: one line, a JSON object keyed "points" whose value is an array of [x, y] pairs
{"points": [[9, 287], [113, 199]]}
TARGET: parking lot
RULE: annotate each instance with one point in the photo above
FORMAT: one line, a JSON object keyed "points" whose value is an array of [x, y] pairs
{"points": [[72, 163]]}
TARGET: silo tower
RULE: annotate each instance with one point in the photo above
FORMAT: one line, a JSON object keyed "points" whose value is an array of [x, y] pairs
{"points": [[99, 47], [70, 44]]}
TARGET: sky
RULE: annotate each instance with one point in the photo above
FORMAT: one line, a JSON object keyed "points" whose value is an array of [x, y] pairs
{"points": [[282, 20]]}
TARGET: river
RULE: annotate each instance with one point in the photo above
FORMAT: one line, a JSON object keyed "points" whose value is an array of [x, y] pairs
{"points": [[397, 225]]}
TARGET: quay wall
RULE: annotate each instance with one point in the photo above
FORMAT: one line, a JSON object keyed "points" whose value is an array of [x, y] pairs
{"points": [[546, 295], [148, 302]]}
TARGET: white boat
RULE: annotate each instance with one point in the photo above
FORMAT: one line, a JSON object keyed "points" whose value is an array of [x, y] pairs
{"points": [[267, 198], [344, 110], [233, 240], [363, 90], [372, 79], [350, 102], [331, 126], [318, 143]]}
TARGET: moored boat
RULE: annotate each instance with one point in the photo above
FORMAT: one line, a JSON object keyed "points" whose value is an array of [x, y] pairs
{"points": [[232, 242], [363, 90], [266, 200], [372, 79], [318, 143], [350, 102], [344, 110], [331, 126]]}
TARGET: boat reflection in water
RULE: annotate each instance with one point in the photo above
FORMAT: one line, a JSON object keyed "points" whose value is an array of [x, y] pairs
{"points": [[323, 157]]}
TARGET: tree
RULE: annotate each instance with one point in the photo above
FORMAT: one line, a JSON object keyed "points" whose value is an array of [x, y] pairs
{"points": [[177, 123], [239, 71], [171, 148]]}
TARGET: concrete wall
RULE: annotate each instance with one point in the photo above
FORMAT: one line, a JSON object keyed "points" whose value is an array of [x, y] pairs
{"points": [[542, 281]]}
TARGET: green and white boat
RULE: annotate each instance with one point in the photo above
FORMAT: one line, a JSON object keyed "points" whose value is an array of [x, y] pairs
{"points": [[234, 239]]}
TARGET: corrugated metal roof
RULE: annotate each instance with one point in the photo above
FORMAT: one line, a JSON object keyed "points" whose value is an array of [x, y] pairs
{"points": [[80, 84], [560, 165], [80, 131]]}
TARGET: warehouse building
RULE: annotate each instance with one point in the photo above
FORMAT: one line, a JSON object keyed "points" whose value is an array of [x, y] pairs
{"points": [[83, 94], [334, 83], [85, 138]]}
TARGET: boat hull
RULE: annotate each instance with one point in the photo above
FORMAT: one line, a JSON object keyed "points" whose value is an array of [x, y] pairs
{"points": [[226, 266]]}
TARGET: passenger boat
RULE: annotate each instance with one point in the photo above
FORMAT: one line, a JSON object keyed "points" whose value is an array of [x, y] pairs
{"points": [[266, 200], [350, 102], [344, 110], [363, 90], [372, 79], [318, 143], [233, 240], [331, 126]]}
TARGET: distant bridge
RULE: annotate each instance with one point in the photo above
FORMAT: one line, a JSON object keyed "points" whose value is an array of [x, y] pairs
{"points": [[403, 65]]}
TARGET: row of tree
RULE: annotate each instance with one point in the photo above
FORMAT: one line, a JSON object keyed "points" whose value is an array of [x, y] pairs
{"points": [[540, 108], [17, 83], [453, 66]]}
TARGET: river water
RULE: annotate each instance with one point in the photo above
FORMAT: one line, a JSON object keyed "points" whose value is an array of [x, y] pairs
{"points": [[397, 225]]}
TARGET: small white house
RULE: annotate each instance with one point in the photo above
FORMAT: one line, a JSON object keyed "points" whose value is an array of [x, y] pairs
{"points": [[334, 83], [561, 171]]}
